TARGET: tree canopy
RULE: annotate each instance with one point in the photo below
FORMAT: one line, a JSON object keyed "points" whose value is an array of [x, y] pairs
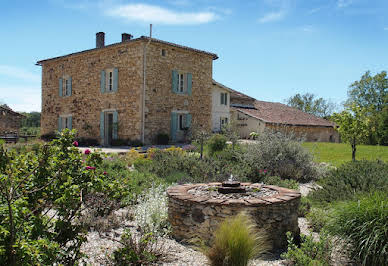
{"points": [[309, 103]]}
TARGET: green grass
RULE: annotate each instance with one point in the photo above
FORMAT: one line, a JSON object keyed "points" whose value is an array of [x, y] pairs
{"points": [[338, 153]]}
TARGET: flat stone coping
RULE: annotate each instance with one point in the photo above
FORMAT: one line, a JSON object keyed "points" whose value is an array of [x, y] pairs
{"points": [[284, 195]]}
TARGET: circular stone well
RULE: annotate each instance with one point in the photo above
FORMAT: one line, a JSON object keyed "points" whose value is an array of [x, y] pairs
{"points": [[195, 210]]}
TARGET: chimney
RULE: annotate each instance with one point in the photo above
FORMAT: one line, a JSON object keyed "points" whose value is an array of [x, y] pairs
{"points": [[100, 39], [126, 37]]}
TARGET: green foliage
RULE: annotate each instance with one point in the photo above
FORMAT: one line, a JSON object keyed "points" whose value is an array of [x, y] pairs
{"points": [[31, 120], [40, 203], [318, 218], [137, 250], [49, 136], [162, 139], [350, 179], [88, 142], [217, 143], [309, 253], [304, 207], [236, 242], [29, 131], [119, 142], [281, 155], [363, 223], [277, 181], [371, 94], [307, 103]]}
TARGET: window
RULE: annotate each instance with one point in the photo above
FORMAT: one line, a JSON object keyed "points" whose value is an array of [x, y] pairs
{"points": [[182, 121], [223, 122], [109, 80], [224, 98], [65, 86], [65, 121], [164, 52], [181, 82]]}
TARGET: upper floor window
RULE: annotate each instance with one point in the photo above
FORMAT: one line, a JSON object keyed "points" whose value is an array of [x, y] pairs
{"points": [[224, 98], [65, 86], [109, 80], [164, 52], [181, 82]]}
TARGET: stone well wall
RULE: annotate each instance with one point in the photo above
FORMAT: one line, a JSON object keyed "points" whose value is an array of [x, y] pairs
{"points": [[194, 217]]}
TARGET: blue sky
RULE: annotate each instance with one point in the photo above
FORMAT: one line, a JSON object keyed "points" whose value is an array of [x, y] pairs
{"points": [[269, 49]]}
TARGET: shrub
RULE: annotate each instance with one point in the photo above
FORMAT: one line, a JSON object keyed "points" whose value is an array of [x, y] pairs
{"points": [[363, 224], [318, 218], [281, 155], [49, 136], [151, 211], [88, 142], [277, 181], [310, 252], [216, 143], [304, 207], [141, 250], [236, 242], [350, 179], [119, 142], [135, 143], [162, 139]]}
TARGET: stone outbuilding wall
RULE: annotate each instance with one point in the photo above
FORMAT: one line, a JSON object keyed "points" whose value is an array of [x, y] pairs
{"points": [[194, 218], [10, 121], [309, 133]]}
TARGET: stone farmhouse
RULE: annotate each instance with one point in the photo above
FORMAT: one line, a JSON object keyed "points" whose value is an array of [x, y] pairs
{"points": [[140, 87], [10, 121]]}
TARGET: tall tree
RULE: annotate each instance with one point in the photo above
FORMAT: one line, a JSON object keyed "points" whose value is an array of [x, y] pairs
{"points": [[352, 126], [371, 94], [310, 104]]}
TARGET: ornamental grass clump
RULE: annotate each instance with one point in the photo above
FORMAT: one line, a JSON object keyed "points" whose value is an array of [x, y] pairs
{"points": [[236, 242]]}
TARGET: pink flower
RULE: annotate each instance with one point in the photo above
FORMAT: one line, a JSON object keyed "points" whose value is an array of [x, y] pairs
{"points": [[87, 151], [265, 171], [75, 143], [105, 173], [90, 168]]}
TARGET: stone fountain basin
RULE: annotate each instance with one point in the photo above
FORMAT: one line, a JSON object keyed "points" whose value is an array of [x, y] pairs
{"points": [[195, 217]]}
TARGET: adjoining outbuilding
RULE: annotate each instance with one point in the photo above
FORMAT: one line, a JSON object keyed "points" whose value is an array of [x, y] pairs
{"points": [[10, 121]]}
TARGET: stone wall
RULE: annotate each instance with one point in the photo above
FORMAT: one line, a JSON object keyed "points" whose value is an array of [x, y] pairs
{"points": [[9, 121], [194, 217], [309, 133]]}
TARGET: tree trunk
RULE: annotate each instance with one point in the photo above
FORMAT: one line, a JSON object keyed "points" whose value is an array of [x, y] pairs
{"points": [[201, 149], [354, 150], [11, 243]]}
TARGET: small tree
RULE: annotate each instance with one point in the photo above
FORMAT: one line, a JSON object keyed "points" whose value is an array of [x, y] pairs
{"points": [[200, 135], [352, 126], [231, 133]]}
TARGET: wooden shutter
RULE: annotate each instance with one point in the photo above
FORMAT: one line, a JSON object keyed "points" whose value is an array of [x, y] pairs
{"points": [[222, 98], [115, 125], [175, 81], [115, 79], [102, 81], [59, 124], [188, 120], [70, 86], [174, 125], [70, 119], [226, 98], [60, 87], [102, 127], [189, 78]]}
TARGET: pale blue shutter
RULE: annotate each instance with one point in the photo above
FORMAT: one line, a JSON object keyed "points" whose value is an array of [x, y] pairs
{"points": [[174, 120], [102, 81], [70, 86], [188, 120], [189, 78], [59, 124], [60, 87], [70, 122], [115, 79], [115, 125], [102, 126], [174, 81]]}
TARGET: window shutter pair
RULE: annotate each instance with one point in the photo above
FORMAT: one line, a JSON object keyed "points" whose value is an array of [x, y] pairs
{"points": [[175, 78], [60, 121], [69, 88], [115, 80]]}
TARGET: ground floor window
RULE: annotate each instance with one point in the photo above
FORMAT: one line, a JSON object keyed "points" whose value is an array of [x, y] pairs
{"points": [[223, 122], [65, 121]]}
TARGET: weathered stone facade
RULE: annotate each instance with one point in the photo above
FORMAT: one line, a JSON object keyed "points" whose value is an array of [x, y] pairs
{"points": [[86, 101], [308, 133], [9, 121], [193, 217]]}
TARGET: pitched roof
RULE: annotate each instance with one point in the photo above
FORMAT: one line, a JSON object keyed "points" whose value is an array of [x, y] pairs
{"points": [[278, 113], [222, 86], [239, 95], [8, 109], [142, 38]]}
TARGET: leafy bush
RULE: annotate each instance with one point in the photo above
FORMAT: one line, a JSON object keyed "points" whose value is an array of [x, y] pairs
{"points": [[309, 252], [141, 250], [88, 142], [363, 224], [40, 203], [162, 139], [277, 181], [217, 143], [350, 179], [49, 136], [236, 242], [151, 211], [135, 143], [119, 142], [281, 155], [318, 218], [304, 207]]}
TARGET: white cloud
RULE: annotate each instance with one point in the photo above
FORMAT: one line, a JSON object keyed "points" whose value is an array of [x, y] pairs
{"points": [[22, 99], [16, 72], [308, 28], [156, 14], [273, 16], [344, 3]]}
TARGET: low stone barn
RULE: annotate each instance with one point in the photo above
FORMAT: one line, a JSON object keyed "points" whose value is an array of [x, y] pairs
{"points": [[252, 115], [10, 120]]}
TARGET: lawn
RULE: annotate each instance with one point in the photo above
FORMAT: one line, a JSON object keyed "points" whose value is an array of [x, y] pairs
{"points": [[338, 153]]}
